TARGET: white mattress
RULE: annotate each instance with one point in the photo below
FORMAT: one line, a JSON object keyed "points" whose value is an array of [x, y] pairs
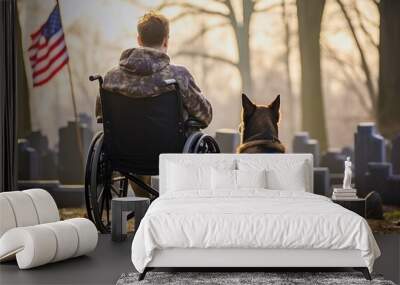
{"points": [[255, 219]]}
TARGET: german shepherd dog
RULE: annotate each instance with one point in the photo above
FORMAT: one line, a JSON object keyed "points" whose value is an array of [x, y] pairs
{"points": [[259, 127]]}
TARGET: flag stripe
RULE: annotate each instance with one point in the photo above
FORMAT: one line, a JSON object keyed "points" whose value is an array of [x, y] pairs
{"points": [[54, 47], [35, 43], [50, 62], [52, 74], [51, 68], [34, 35], [37, 49], [38, 45]]}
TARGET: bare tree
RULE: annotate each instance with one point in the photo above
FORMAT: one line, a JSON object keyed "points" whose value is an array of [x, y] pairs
{"points": [[369, 81], [309, 15], [287, 35], [350, 77], [240, 24]]}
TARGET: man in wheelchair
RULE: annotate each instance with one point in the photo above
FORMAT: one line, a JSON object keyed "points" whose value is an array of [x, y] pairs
{"points": [[147, 107], [142, 71]]}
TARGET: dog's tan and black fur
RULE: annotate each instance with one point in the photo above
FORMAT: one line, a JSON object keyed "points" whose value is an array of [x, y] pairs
{"points": [[259, 127]]}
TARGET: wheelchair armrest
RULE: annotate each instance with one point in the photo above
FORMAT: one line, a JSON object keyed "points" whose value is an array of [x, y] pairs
{"points": [[193, 123]]}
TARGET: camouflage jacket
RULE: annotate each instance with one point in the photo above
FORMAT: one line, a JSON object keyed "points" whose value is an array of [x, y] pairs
{"points": [[141, 73]]}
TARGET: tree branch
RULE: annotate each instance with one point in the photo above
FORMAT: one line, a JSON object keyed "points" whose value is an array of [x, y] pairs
{"points": [[376, 2], [183, 15], [231, 16], [267, 8], [364, 64], [363, 28], [204, 31], [191, 8], [206, 56], [349, 76]]}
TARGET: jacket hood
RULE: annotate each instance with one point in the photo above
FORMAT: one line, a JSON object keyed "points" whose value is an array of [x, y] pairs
{"points": [[143, 61]]}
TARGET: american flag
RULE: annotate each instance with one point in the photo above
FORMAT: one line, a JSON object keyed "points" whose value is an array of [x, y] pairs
{"points": [[48, 51]]}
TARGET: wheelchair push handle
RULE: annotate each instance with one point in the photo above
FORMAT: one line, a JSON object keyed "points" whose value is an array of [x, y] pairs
{"points": [[96, 77]]}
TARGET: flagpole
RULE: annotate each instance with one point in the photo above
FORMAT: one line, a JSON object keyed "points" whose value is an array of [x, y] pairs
{"points": [[78, 133]]}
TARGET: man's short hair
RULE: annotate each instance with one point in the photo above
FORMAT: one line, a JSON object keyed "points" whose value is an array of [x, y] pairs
{"points": [[153, 28]]}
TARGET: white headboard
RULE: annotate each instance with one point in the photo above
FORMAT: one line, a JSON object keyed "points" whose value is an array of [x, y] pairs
{"points": [[204, 159]]}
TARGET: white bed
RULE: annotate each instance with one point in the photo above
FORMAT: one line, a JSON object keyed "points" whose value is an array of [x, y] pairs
{"points": [[201, 223]]}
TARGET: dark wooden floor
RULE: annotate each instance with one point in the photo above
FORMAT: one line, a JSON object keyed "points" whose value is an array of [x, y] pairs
{"points": [[110, 259], [103, 266]]}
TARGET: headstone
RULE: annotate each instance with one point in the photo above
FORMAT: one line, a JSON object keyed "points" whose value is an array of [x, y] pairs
{"points": [[85, 119], [87, 135], [321, 181], [396, 154], [228, 140], [369, 146], [303, 144], [69, 196], [70, 164], [47, 157], [333, 159], [393, 189], [381, 179], [374, 206], [348, 151], [28, 161]]}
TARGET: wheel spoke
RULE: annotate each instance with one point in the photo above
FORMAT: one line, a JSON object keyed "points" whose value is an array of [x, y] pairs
{"points": [[115, 190], [108, 209], [101, 194], [102, 205]]}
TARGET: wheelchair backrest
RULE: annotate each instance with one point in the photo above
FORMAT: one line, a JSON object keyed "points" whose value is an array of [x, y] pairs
{"points": [[138, 130]]}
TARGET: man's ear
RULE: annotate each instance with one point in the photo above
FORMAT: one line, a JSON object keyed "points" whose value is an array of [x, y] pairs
{"points": [[248, 106], [275, 106], [165, 42], [139, 41]]}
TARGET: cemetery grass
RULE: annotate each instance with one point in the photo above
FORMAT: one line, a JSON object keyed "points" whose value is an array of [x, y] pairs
{"points": [[390, 222]]}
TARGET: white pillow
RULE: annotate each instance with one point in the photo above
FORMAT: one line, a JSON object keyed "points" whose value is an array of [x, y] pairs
{"points": [[223, 179], [228, 179], [183, 177], [281, 174], [188, 175], [294, 181], [251, 178]]}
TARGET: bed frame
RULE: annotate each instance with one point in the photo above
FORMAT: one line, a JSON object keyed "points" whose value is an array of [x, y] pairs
{"points": [[242, 258], [256, 258]]}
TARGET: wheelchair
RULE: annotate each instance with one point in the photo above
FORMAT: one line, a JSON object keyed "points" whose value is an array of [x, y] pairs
{"points": [[135, 132]]}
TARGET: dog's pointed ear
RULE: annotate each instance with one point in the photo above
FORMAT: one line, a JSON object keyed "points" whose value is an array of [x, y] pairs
{"points": [[275, 106], [248, 106]]}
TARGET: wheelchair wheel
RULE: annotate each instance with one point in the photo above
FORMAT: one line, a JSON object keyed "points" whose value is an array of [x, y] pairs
{"points": [[101, 185], [88, 172], [201, 143]]}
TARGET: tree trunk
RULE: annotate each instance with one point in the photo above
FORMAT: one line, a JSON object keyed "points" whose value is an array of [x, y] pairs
{"points": [[290, 102], [388, 114], [243, 44], [244, 64], [309, 14]]}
